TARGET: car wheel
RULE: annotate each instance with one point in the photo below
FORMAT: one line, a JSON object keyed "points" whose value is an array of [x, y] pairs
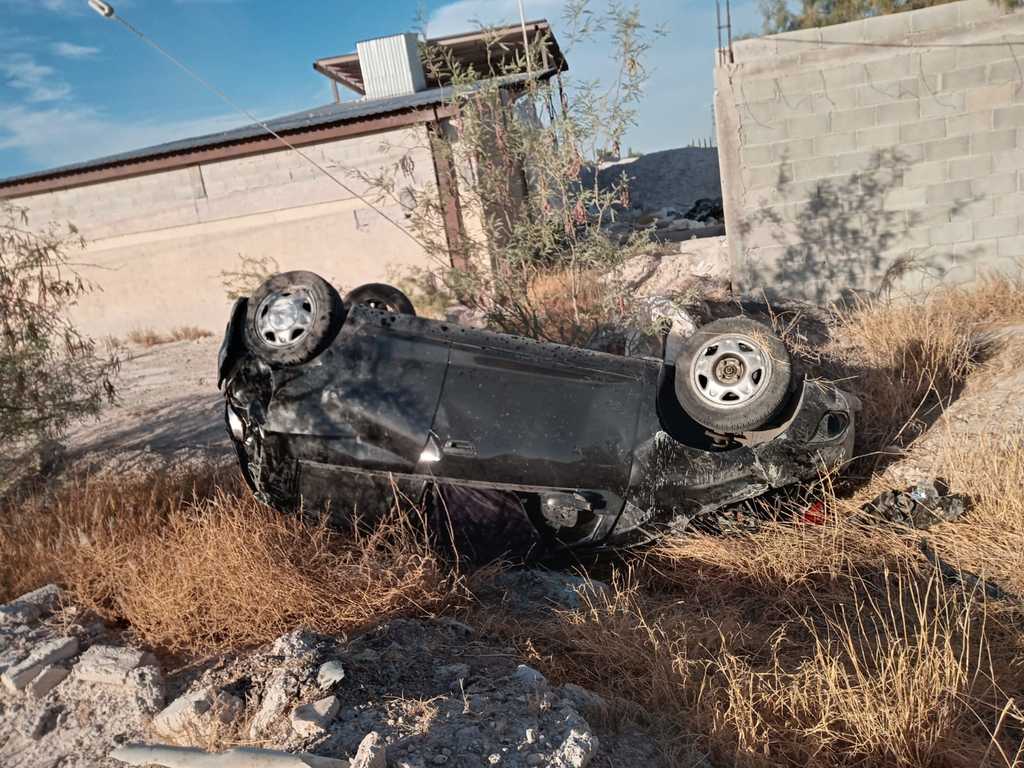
{"points": [[380, 296], [292, 318], [733, 375]]}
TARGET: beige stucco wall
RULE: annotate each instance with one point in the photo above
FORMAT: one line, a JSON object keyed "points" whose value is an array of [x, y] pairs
{"points": [[157, 244]]}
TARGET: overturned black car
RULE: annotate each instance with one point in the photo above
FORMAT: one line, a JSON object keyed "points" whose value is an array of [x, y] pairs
{"points": [[336, 406]]}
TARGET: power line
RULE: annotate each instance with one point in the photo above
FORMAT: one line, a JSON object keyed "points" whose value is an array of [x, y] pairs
{"points": [[107, 11]]}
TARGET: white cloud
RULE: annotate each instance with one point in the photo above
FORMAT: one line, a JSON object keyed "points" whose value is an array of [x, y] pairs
{"points": [[47, 5], [468, 15], [59, 135], [73, 50], [39, 81]]}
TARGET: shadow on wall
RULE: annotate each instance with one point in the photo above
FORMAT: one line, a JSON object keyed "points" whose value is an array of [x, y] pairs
{"points": [[671, 178], [846, 238]]}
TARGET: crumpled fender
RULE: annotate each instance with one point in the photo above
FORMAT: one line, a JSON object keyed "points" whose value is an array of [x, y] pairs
{"points": [[232, 348]]}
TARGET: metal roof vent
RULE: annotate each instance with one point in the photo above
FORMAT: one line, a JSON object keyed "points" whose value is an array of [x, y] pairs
{"points": [[391, 66]]}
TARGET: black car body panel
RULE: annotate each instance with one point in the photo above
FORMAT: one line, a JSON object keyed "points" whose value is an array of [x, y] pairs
{"points": [[397, 403]]}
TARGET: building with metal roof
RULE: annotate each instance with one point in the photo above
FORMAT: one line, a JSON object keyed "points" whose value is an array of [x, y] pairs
{"points": [[165, 223]]}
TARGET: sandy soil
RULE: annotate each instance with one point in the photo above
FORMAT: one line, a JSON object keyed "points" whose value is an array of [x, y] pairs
{"points": [[169, 412]]}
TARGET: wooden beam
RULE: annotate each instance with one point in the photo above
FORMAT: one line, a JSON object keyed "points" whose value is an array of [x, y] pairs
{"points": [[448, 196]]}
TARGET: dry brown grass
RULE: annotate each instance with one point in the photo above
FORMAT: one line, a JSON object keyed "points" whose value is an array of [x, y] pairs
{"points": [[147, 337], [908, 360], [197, 565], [567, 305]]}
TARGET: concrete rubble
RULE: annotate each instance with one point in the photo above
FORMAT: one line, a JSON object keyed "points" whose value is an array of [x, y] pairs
{"points": [[313, 719], [407, 694], [371, 753], [66, 696], [195, 713], [19, 675]]}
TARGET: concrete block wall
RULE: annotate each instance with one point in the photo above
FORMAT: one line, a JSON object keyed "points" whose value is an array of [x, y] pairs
{"points": [[158, 243], [883, 154]]}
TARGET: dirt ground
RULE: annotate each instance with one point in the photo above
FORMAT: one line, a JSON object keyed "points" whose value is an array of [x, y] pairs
{"points": [[169, 413], [990, 406]]}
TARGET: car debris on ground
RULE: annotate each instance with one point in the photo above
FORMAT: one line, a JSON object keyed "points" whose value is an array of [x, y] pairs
{"points": [[921, 506]]}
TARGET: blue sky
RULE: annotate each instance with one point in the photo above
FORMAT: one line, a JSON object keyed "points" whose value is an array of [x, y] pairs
{"points": [[74, 86]]}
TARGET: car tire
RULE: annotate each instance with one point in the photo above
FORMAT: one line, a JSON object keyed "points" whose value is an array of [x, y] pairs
{"points": [[292, 318], [380, 296], [733, 375]]}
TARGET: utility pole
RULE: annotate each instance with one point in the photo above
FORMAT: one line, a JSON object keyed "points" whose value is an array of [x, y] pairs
{"points": [[526, 39]]}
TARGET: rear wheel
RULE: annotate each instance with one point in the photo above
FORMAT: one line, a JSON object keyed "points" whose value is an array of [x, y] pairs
{"points": [[733, 375], [292, 318], [380, 296]]}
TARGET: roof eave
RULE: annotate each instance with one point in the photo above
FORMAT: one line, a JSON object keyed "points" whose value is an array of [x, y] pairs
{"points": [[49, 182]]}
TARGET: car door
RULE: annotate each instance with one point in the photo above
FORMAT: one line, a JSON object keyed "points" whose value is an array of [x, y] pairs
{"points": [[368, 401], [522, 412]]}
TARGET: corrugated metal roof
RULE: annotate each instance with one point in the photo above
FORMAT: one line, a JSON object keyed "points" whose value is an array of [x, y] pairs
{"points": [[317, 117]]}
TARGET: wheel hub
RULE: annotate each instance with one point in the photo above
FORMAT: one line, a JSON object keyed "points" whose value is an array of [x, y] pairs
{"points": [[729, 370], [732, 370], [284, 318]]}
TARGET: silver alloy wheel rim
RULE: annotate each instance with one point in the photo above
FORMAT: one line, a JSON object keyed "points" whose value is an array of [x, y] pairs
{"points": [[731, 370], [285, 318]]}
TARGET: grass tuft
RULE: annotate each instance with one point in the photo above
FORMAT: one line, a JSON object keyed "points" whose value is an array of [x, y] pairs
{"points": [[147, 337]]}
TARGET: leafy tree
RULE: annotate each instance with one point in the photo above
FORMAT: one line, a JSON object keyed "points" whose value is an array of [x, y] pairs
{"points": [[537, 256], [50, 373]]}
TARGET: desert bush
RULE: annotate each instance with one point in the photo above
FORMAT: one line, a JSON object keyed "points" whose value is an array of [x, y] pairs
{"points": [[250, 274], [195, 564], [517, 159], [50, 372]]}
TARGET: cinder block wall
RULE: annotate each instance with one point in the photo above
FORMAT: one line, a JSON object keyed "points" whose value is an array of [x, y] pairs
{"points": [[883, 154], [157, 244]]}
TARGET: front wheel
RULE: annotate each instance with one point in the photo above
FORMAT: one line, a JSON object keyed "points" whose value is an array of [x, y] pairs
{"points": [[292, 318], [733, 375]]}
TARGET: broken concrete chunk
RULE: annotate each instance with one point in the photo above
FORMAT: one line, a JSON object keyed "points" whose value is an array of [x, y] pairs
{"points": [[18, 613], [583, 699], [371, 753], [313, 719], [19, 675], [243, 757], [111, 665], [191, 712], [529, 676], [146, 684], [30, 606], [577, 750], [277, 695], [331, 673], [47, 680], [295, 644], [43, 721]]}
